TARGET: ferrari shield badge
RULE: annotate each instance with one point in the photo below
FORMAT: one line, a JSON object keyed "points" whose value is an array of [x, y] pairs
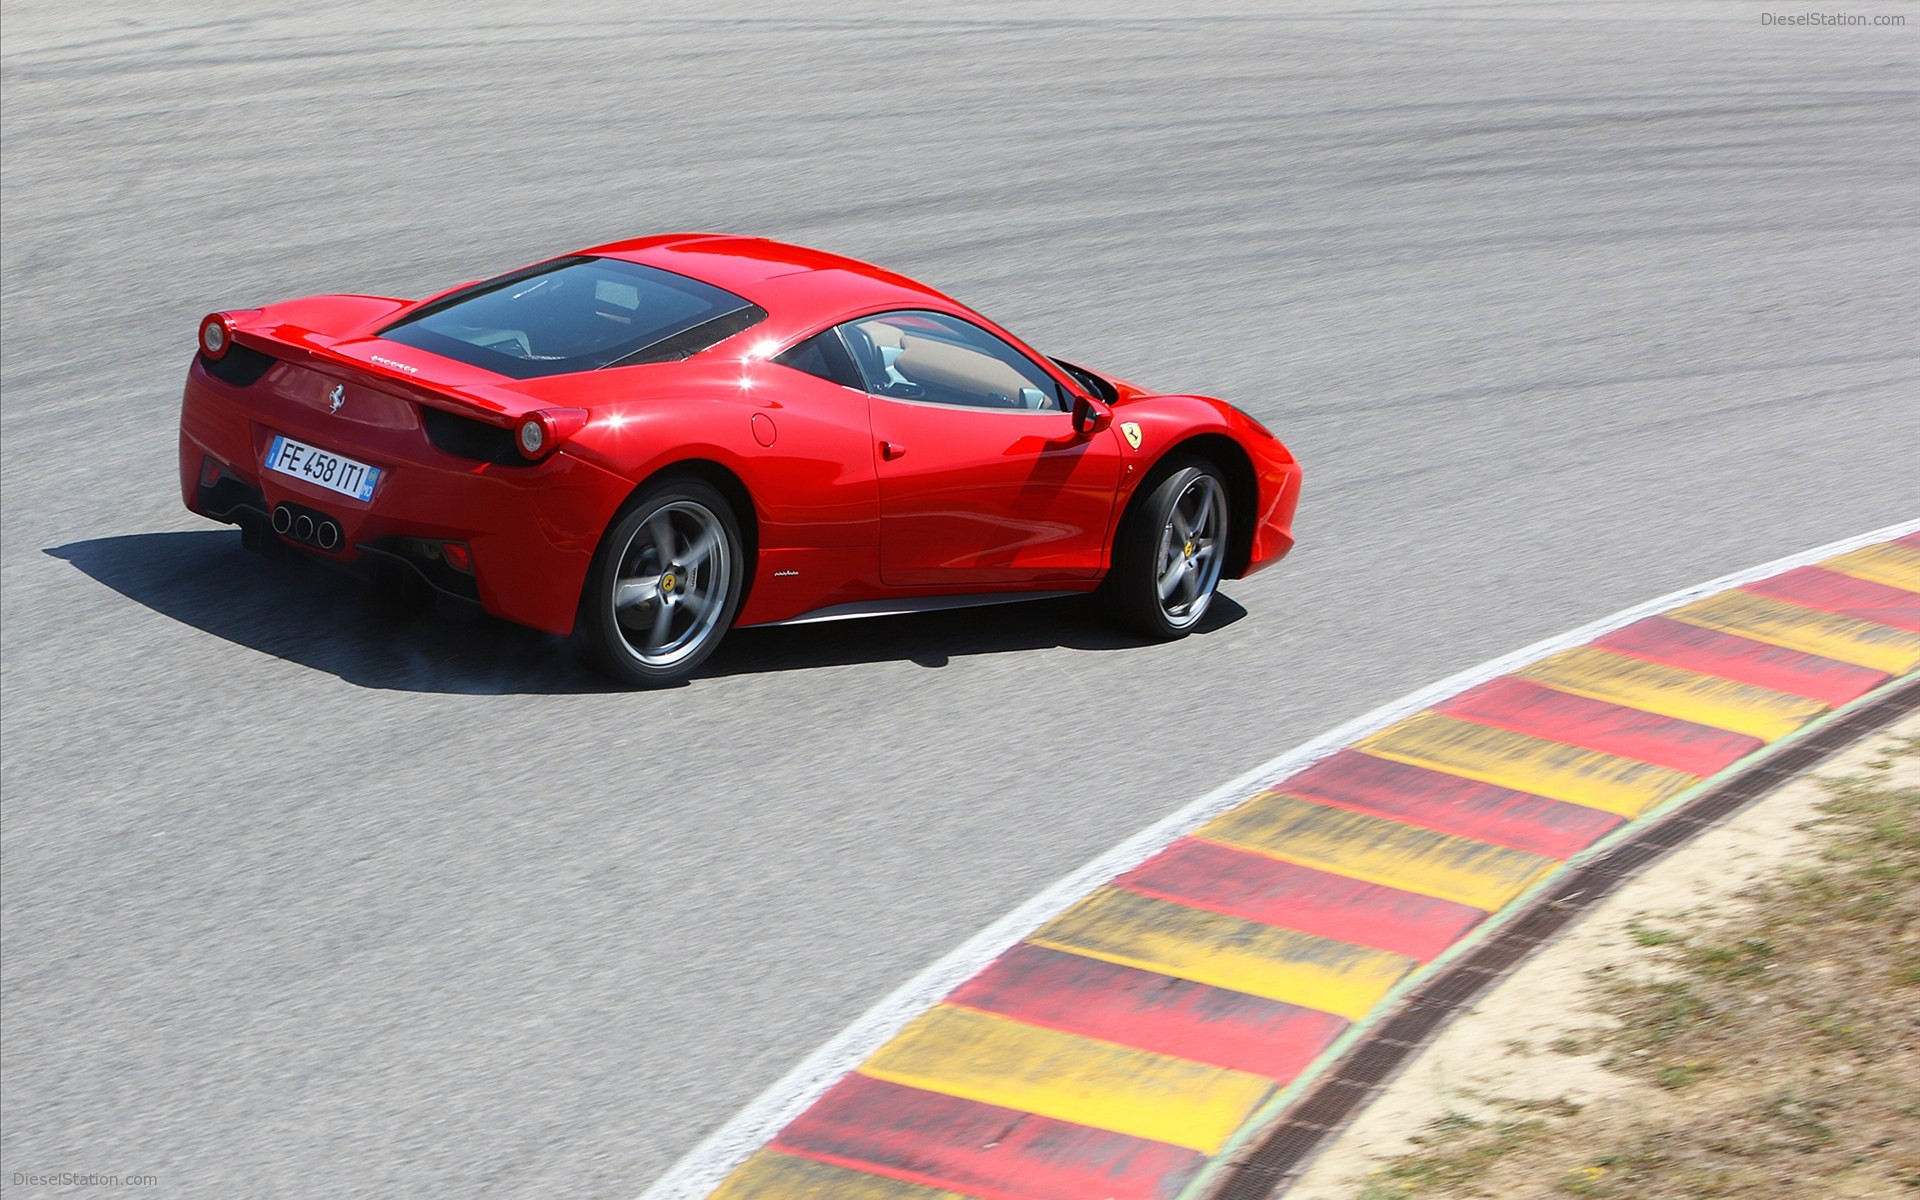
{"points": [[1131, 430]]}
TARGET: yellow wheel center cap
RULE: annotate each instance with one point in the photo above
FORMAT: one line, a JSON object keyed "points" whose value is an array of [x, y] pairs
{"points": [[1189, 550], [666, 583]]}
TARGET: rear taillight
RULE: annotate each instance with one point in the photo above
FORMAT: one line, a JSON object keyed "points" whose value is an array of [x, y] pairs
{"points": [[540, 432], [216, 334]]}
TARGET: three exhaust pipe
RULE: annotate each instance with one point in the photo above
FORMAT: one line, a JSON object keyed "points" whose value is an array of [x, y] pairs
{"points": [[306, 526]]}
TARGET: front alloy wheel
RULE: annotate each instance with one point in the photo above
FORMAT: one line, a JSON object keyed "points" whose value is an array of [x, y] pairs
{"points": [[664, 584], [1170, 552]]}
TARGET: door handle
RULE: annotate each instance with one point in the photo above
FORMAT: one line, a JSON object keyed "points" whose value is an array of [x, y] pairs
{"points": [[892, 450]]}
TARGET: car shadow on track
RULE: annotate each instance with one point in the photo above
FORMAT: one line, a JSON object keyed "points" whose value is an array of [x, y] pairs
{"points": [[934, 639], [306, 613]]}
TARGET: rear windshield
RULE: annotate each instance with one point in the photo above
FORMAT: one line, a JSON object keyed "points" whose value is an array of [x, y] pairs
{"points": [[576, 314]]}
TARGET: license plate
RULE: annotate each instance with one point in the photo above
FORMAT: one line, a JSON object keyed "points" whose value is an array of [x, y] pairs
{"points": [[334, 472]]}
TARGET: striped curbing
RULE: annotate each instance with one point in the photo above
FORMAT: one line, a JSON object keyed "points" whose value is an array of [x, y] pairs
{"points": [[1122, 1043]]}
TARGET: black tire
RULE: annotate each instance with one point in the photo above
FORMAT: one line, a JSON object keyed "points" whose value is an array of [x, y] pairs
{"points": [[403, 593], [258, 538], [1170, 550], [664, 585]]}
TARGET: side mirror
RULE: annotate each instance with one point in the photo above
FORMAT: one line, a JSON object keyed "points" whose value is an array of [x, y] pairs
{"points": [[1088, 417]]}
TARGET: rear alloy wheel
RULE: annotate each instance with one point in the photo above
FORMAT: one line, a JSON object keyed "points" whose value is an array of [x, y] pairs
{"points": [[664, 585], [1168, 557]]}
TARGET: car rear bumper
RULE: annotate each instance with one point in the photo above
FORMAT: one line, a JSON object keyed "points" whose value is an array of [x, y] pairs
{"points": [[531, 530]]}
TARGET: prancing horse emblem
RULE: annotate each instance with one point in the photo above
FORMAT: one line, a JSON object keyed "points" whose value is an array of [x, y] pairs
{"points": [[336, 397], [1132, 432]]}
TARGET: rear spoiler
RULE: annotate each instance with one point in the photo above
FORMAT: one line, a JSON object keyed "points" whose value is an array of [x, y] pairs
{"points": [[480, 401]]}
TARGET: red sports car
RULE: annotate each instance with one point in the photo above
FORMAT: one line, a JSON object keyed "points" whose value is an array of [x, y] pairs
{"points": [[647, 443]]}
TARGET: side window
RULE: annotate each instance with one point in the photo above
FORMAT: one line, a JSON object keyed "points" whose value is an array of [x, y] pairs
{"points": [[940, 359], [824, 356]]}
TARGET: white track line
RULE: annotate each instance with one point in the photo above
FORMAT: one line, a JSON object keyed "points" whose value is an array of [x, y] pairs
{"points": [[703, 1170]]}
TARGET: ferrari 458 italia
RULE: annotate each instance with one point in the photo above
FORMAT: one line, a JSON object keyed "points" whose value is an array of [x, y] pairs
{"points": [[645, 444]]}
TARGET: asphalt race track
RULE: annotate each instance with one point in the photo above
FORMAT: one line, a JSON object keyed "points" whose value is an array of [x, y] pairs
{"points": [[1563, 306]]}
